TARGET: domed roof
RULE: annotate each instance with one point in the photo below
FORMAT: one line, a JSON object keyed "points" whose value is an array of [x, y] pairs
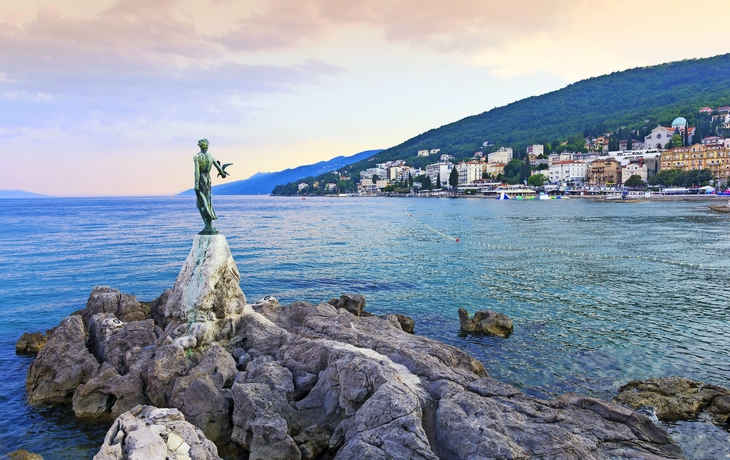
{"points": [[679, 121]]}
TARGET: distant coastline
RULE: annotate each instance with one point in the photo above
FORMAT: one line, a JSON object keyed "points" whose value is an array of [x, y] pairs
{"points": [[21, 194]]}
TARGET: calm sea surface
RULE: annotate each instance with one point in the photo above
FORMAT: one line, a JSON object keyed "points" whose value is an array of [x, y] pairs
{"points": [[592, 307]]}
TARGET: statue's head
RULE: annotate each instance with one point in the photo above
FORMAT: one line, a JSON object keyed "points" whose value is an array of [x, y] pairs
{"points": [[203, 144]]}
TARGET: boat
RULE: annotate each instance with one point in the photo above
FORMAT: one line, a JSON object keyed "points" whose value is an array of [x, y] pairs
{"points": [[503, 196], [721, 207]]}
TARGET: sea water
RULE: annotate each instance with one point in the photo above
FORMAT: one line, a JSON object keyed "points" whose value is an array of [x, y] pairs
{"points": [[600, 293]]}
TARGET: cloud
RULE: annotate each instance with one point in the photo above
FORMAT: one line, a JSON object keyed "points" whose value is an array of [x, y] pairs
{"points": [[136, 62], [443, 25]]}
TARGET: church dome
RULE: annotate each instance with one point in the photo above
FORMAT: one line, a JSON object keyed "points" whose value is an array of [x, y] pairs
{"points": [[679, 121]]}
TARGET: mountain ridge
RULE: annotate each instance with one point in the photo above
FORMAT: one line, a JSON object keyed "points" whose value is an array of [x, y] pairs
{"points": [[264, 182]]}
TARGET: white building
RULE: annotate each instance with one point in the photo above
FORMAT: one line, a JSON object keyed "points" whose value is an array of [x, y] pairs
{"points": [[423, 153], [414, 172], [535, 150], [370, 172], [659, 137], [634, 169], [434, 151], [302, 186], [442, 170], [567, 171], [503, 155], [469, 171], [446, 157]]}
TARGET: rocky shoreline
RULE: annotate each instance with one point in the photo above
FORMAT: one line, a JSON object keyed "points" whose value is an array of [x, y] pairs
{"points": [[303, 381]]}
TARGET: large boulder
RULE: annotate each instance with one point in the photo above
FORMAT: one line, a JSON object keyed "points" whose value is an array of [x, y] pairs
{"points": [[676, 398], [486, 322], [149, 433], [124, 307], [207, 287], [62, 365]]}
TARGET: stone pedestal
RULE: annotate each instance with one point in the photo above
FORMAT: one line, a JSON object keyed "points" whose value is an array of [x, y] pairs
{"points": [[207, 287]]}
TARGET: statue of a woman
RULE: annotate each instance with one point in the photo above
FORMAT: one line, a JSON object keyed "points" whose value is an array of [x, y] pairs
{"points": [[204, 161]]}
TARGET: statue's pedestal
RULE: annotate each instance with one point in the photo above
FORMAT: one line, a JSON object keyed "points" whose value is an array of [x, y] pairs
{"points": [[207, 287]]}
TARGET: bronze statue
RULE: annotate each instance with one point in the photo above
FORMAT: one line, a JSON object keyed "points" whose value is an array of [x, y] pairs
{"points": [[204, 161]]}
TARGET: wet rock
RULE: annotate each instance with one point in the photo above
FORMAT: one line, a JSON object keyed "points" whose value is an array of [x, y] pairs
{"points": [[354, 303], [676, 398], [406, 323], [124, 307], [146, 433], [32, 342], [157, 309], [486, 322], [62, 365], [23, 455]]}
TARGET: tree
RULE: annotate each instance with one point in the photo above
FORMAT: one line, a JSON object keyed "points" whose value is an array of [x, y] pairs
{"points": [[454, 177], [426, 183], [537, 180], [438, 180], [634, 181]]}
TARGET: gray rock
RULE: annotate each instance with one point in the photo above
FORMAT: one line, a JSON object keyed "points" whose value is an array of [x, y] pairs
{"points": [[149, 433], [486, 322], [676, 398], [207, 287], [62, 365], [157, 309], [104, 299], [354, 303]]}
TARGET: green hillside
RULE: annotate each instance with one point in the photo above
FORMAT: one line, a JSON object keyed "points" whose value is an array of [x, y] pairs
{"points": [[637, 99]]}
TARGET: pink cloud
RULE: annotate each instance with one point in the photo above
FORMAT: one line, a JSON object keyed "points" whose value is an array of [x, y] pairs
{"points": [[448, 26]]}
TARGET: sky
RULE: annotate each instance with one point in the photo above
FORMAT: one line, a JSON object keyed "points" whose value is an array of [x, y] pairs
{"points": [[109, 97]]}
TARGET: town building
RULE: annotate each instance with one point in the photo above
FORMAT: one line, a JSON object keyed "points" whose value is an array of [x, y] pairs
{"points": [[713, 140], [469, 171], [446, 157], [423, 153], [434, 151], [716, 158], [635, 168], [302, 186], [604, 171], [494, 169], [567, 171], [659, 137], [535, 150], [370, 172], [503, 155], [440, 170]]}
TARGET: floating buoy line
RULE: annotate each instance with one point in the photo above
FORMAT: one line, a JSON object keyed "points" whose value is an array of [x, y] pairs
{"points": [[568, 253]]}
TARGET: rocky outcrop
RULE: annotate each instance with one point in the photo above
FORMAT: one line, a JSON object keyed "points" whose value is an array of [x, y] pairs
{"points": [[62, 365], [677, 398], [354, 303], [124, 307], [303, 381], [485, 322], [149, 433], [207, 287], [32, 342]]}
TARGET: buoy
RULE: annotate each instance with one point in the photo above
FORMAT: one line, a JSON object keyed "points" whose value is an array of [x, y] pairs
{"points": [[303, 198], [457, 240]]}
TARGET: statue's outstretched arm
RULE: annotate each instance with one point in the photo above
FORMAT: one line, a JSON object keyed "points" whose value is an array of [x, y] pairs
{"points": [[218, 167]]}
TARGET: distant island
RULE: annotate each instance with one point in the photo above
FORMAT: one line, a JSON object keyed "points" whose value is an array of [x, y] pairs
{"points": [[21, 194]]}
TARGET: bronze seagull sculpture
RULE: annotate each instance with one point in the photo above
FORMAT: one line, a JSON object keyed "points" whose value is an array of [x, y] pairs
{"points": [[223, 167]]}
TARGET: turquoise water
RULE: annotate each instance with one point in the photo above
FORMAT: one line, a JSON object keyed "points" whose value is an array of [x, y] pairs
{"points": [[583, 323]]}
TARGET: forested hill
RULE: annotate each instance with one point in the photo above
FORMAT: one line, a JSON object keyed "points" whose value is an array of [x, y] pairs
{"points": [[647, 95]]}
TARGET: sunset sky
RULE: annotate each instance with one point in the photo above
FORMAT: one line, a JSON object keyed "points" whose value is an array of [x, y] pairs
{"points": [[109, 97]]}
